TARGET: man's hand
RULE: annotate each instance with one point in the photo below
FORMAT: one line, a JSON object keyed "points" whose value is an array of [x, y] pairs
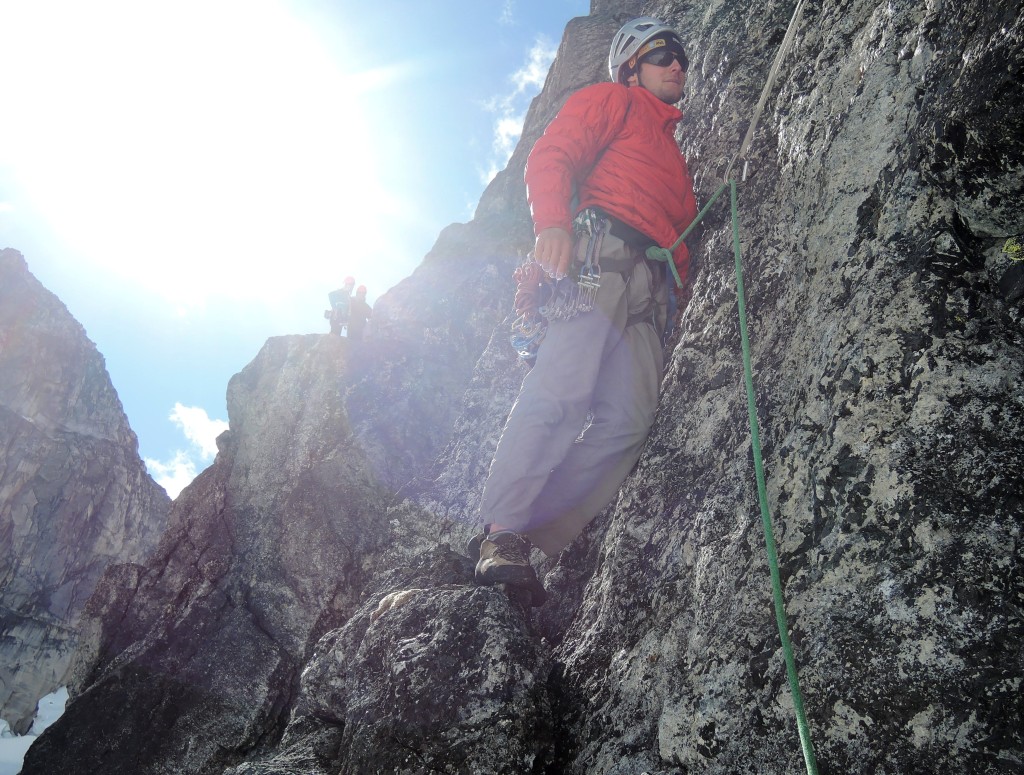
{"points": [[553, 251]]}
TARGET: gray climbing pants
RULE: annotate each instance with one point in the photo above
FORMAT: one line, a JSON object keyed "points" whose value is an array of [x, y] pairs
{"points": [[552, 473]]}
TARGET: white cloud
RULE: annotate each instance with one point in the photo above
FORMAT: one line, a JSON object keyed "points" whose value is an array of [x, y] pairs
{"points": [[506, 134], [202, 432], [175, 475], [530, 77], [511, 109], [199, 428]]}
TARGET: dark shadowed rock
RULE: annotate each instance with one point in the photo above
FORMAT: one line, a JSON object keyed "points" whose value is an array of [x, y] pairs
{"points": [[423, 679], [74, 494], [266, 550], [406, 383]]}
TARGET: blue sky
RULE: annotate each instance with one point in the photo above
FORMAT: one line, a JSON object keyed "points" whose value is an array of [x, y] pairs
{"points": [[192, 177]]}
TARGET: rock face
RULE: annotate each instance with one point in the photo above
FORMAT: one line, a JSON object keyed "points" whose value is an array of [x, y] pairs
{"points": [[74, 494], [300, 618]]}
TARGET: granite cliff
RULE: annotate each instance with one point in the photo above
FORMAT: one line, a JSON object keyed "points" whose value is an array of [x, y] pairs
{"points": [[74, 494], [309, 611]]}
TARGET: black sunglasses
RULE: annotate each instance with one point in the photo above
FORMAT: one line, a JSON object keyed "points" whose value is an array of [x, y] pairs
{"points": [[662, 57]]}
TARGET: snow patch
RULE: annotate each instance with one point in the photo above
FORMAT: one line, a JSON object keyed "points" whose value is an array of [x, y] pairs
{"points": [[14, 747]]}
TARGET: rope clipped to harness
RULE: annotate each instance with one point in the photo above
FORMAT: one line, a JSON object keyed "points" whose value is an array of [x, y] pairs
{"points": [[665, 254], [655, 253], [762, 493]]}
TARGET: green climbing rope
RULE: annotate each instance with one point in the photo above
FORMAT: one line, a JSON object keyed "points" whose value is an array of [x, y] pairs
{"points": [[665, 254]]}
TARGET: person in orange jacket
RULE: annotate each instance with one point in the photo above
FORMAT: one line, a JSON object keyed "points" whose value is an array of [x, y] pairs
{"points": [[612, 146]]}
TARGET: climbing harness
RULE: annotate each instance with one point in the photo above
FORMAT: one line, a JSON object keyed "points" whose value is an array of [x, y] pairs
{"points": [[665, 254]]}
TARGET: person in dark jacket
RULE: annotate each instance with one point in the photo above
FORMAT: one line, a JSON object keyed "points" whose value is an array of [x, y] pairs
{"points": [[612, 146], [359, 312], [340, 300]]}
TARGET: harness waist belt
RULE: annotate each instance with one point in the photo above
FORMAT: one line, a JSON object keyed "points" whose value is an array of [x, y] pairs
{"points": [[647, 316], [631, 236]]}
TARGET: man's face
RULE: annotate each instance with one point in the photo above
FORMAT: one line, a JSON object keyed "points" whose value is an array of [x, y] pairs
{"points": [[666, 83]]}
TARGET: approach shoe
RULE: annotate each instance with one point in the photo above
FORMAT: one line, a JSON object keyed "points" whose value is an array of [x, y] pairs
{"points": [[473, 546], [505, 559]]}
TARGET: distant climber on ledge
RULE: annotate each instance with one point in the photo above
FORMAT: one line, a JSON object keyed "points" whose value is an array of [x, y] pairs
{"points": [[612, 145], [359, 312], [341, 300]]}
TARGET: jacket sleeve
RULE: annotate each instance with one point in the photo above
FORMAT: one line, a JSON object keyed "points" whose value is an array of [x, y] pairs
{"points": [[570, 146]]}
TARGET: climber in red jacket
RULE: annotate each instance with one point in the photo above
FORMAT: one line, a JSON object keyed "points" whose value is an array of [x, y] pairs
{"points": [[612, 147]]}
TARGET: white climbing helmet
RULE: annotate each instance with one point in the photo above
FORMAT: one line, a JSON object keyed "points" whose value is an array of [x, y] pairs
{"points": [[631, 37]]}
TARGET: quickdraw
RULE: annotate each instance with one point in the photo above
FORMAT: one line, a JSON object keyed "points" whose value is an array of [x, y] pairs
{"points": [[591, 226]]}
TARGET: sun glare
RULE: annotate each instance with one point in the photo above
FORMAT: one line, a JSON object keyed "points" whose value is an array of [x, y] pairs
{"points": [[197, 149]]}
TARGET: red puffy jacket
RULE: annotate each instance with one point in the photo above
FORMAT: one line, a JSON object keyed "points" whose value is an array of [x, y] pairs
{"points": [[616, 146]]}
